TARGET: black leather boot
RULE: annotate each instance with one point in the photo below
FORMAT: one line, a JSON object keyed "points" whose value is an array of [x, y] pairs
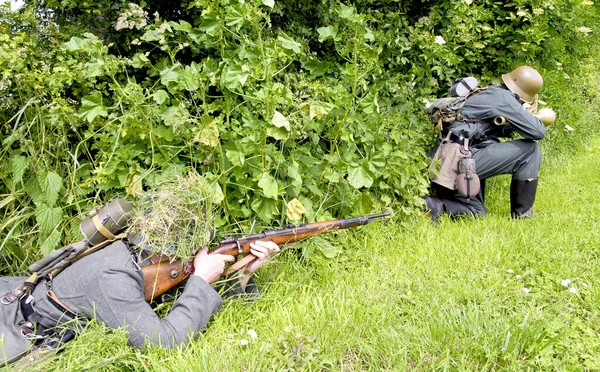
{"points": [[439, 206], [522, 196]]}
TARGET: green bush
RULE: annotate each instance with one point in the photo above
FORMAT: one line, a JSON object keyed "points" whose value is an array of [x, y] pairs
{"points": [[271, 100]]}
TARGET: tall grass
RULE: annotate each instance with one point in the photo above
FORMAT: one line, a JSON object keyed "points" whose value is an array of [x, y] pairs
{"points": [[486, 294]]}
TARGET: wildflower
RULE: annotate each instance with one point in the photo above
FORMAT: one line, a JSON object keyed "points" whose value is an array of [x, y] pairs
{"points": [[468, 2], [518, 276], [585, 285], [440, 40], [526, 290], [569, 128], [252, 334], [538, 11], [566, 282], [583, 29], [573, 290], [510, 271], [244, 342]]}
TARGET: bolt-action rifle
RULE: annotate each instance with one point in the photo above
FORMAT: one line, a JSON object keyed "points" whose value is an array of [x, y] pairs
{"points": [[163, 276]]}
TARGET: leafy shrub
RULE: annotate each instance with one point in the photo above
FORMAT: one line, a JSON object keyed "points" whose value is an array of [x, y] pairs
{"points": [[271, 100]]}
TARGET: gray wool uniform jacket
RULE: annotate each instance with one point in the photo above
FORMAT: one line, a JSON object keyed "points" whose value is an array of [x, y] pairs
{"points": [[108, 286], [483, 107]]}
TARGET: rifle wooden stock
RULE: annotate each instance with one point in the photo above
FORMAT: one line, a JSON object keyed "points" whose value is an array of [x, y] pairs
{"points": [[161, 277]]}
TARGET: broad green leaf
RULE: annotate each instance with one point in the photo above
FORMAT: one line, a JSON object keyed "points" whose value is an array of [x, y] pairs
{"points": [[318, 109], [280, 121], [34, 191], [317, 68], [294, 173], [208, 134], [47, 217], [92, 107], [164, 132], [236, 158], [51, 242], [181, 26], [160, 97], [190, 77], [345, 12], [75, 44], [169, 75], [327, 249], [265, 208], [269, 186], [359, 177], [174, 116], [365, 203], [50, 184], [18, 165], [331, 175], [289, 43], [209, 23], [278, 133], [235, 76], [327, 32], [235, 16], [150, 35], [95, 67], [370, 104], [139, 60]]}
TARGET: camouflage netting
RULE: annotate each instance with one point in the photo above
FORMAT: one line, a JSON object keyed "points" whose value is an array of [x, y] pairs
{"points": [[176, 217]]}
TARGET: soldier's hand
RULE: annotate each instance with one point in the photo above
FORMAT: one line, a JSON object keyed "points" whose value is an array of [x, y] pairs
{"points": [[263, 252], [210, 267]]}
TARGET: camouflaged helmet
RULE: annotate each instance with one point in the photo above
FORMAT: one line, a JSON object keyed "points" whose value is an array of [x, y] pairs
{"points": [[525, 81]]}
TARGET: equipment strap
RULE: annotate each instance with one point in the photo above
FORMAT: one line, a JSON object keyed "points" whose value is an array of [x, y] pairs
{"points": [[101, 229]]}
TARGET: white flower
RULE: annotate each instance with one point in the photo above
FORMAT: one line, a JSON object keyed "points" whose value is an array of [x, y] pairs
{"points": [[440, 40], [538, 11], [585, 30], [566, 282], [526, 290], [584, 284], [510, 271], [521, 13], [287, 329], [469, 2], [244, 342], [573, 290], [518, 276], [252, 334], [569, 128]]}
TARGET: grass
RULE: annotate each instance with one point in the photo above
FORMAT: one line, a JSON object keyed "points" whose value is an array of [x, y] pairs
{"points": [[486, 294]]}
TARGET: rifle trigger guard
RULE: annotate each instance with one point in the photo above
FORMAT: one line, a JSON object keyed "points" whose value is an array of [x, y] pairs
{"points": [[239, 247]]}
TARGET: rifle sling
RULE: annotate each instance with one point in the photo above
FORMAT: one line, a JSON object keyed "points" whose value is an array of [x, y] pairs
{"points": [[240, 264]]}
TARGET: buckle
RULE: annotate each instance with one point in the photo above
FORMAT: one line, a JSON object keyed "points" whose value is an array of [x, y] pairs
{"points": [[8, 298]]}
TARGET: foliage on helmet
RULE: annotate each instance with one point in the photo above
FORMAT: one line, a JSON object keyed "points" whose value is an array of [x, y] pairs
{"points": [[176, 217]]}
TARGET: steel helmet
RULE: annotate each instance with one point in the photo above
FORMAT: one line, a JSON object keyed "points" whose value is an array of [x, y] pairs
{"points": [[525, 81]]}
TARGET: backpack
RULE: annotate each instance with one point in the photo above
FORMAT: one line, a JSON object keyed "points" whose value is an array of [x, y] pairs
{"points": [[445, 111], [103, 226]]}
